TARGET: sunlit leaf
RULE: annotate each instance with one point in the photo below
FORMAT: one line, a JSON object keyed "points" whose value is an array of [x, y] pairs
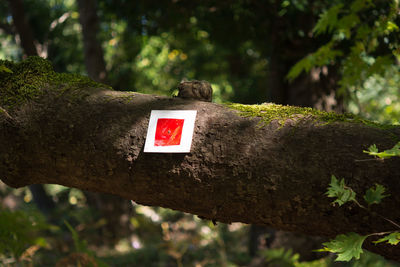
{"points": [[393, 239], [346, 246], [391, 26], [393, 152], [373, 148]]}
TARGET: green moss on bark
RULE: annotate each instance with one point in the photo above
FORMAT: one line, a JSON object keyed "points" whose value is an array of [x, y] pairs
{"points": [[270, 112], [30, 78]]}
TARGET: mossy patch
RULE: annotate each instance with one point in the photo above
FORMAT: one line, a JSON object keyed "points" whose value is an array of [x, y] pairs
{"points": [[29, 79], [270, 112]]}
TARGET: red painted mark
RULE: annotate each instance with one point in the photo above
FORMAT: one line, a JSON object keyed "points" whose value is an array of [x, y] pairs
{"points": [[168, 132]]}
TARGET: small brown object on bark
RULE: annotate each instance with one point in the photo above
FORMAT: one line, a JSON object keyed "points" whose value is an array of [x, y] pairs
{"points": [[197, 90]]}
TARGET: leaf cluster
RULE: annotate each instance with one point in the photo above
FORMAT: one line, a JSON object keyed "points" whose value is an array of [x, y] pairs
{"points": [[349, 246], [363, 40], [393, 152], [20, 230], [343, 194]]}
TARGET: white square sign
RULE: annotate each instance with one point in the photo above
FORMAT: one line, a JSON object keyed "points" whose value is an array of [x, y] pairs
{"points": [[170, 131]]}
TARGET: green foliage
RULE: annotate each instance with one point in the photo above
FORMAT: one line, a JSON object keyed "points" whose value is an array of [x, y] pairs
{"points": [[349, 246], [20, 230], [82, 247], [363, 41], [340, 191], [369, 259], [281, 257], [328, 20], [375, 195], [393, 239], [378, 98], [393, 152], [346, 246], [323, 56]]}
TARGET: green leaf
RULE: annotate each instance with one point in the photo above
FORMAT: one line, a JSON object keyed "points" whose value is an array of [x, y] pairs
{"points": [[391, 26], [380, 65], [5, 69], [80, 245], [281, 257], [328, 20], [340, 191], [347, 23], [375, 195], [346, 246], [393, 152], [393, 239], [304, 64], [323, 56], [373, 148], [358, 5]]}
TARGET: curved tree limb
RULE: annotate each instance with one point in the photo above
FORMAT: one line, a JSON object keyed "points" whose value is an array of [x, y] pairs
{"points": [[239, 170]]}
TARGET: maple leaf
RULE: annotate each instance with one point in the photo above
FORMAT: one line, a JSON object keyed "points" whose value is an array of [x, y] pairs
{"points": [[346, 246], [340, 191], [375, 195]]}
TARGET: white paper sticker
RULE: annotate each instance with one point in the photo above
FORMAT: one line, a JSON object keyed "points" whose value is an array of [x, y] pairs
{"points": [[170, 131]]}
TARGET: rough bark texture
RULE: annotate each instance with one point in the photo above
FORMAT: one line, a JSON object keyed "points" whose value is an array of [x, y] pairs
{"points": [[238, 170]]}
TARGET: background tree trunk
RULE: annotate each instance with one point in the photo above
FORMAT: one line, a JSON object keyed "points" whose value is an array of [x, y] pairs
{"points": [[22, 25], [94, 59], [111, 207]]}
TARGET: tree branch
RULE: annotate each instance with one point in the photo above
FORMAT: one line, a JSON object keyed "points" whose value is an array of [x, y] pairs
{"points": [[239, 170]]}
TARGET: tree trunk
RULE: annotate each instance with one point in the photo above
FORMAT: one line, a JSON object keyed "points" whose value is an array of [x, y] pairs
{"points": [[23, 28], [239, 169], [93, 51]]}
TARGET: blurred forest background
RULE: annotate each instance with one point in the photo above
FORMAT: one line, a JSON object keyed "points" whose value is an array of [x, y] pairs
{"points": [[333, 55]]}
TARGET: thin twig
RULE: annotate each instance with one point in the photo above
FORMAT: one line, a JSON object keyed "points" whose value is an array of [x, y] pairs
{"points": [[375, 159], [381, 216], [382, 233]]}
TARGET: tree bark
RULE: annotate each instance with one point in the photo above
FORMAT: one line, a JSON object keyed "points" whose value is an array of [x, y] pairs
{"points": [[238, 170]]}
